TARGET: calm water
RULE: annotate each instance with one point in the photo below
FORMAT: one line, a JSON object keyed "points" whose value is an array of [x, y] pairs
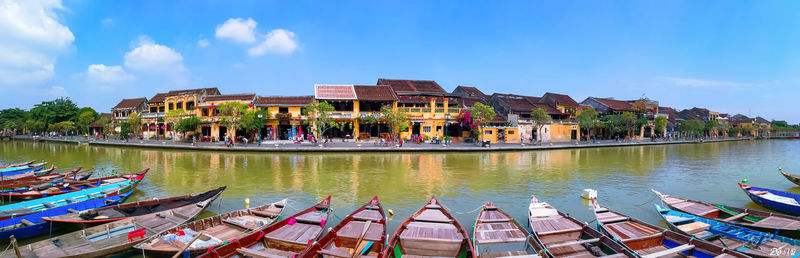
{"points": [[623, 176]]}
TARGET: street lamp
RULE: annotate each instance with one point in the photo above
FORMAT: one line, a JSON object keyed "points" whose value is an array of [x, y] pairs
{"points": [[446, 121], [260, 124]]}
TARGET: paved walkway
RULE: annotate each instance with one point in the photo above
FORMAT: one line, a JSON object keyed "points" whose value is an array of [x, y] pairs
{"points": [[338, 146]]}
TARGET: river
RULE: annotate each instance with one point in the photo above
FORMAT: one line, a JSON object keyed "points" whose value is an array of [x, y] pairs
{"points": [[623, 176]]}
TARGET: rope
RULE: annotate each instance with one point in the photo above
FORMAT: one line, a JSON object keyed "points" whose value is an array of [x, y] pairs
{"points": [[461, 213], [648, 202], [7, 247], [290, 206]]}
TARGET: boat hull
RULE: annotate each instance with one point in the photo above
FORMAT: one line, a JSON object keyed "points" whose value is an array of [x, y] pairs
{"points": [[770, 204]]}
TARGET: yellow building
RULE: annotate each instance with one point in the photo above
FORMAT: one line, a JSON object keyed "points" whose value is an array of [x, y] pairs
{"points": [[211, 129], [503, 134], [352, 105], [431, 109], [153, 119], [187, 99], [287, 116]]}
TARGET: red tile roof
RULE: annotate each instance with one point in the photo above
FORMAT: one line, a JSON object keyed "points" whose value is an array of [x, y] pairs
{"points": [[284, 100], [412, 86], [130, 103], [158, 98], [374, 93], [672, 114], [231, 97], [550, 110], [323, 91], [208, 91], [562, 99], [474, 92], [469, 101], [615, 105]]}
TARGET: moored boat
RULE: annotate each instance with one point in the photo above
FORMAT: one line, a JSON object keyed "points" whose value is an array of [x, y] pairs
{"points": [[21, 169], [558, 235], [648, 240], [213, 231], [52, 177], [18, 164], [792, 177], [763, 221], [362, 233], [37, 205], [495, 233], [431, 231], [733, 237], [287, 238], [773, 199], [57, 188], [94, 217], [114, 237], [34, 224]]}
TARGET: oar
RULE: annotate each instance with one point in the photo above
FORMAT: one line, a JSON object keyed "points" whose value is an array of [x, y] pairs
{"points": [[187, 245], [356, 253]]}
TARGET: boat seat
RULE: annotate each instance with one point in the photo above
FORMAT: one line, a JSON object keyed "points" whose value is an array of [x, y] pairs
{"points": [[433, 215], [73, 211], [353, 230], [735, 217], [71, 200], [758, 192], [26, 222], [601, 209], [433, 206], [268, 212], [312, 217], [48, 204], [694, 227], [493, 216], [268, 253], [298, 233], [677, 219], [372, 215], [670, 251], [336, 251]]}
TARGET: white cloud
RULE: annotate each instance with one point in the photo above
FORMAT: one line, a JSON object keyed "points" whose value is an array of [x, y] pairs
{"points": [[150, 57], [238, 30], [99, 73], [31, 39], [278, 41], [57, 91], [203, 43], [107, 22], [694, 82]]}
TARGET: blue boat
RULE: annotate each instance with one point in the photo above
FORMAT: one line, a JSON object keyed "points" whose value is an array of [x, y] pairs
{"points": [[55, 181], [34, 224], [21, 169], [733, 237], [38, 205], [773, 199]]}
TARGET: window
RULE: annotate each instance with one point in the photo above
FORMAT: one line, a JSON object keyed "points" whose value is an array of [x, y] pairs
{"points": [[426, 129], [438, 128], [153, 109], [488, 132], [161, 109], [190, 105], [179, 105], [283, 110], [511, 132], [171, 107], [205, 112]]}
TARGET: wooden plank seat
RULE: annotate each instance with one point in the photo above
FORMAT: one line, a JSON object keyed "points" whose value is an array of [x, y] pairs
{"points": [[735, 217], [516, 254], [268, 212], [493, 216], [433, 215], [630, 230], [372, 215], [672, 200], [353, 230], [336, 251], [312, 217], [677, 219], [298, 233], [610, 217], [670, 251], [431, 239], [240, 223], [577, 242], [555, 225], [774, 221], [503, 232], [268, 253]]}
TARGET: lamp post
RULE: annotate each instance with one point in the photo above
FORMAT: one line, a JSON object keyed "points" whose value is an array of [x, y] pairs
{"points": [[260, 124], [446, 122]]}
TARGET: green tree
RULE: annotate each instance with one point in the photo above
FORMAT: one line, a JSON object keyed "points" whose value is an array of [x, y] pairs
{"points": [[34, 126], [734, 131], [124, 130], [660, 124], [709, 126], [13, 118], [248, 122], [539, 118], [229, 113], [318, 117], [188, 125], [481, 116], [174, 116], [86, 117], [612, 125], [63, 127], [58, 110], [135, 122], [690, 126], [627, 119], [588, 120], [396, 120]]}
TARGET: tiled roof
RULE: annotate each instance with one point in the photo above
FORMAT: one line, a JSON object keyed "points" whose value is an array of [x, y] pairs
{"points": [[550, 110], [615, 105], [412, 85], [473, 92], [694, 114], [672, 114], [323, 91], [231, 97], [469, 101], [518, 104], [739, 117], [130, 103], [584, 107], [158, 98], [761, 120], [532, 99], [284, 100], [375, 93], [209, 91], [561, 99]]}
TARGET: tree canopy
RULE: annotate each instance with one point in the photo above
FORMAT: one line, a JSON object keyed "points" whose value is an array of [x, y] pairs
{"points": [[58, 110], [660, 124], [397, 120]]}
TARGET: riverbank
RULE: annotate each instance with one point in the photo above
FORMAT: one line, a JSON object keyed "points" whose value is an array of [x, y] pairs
{"points": [[288, 146]]}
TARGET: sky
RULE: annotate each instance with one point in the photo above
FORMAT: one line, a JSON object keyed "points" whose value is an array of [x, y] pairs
{"points": [[727, 56]]}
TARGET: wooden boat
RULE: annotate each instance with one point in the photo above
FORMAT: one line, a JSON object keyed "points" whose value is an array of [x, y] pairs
{"points": [[18, 164], [559, 235], [362, 233], [33, 206], [495, 234], [94, 217], [213, 231], [794, 178], [431, 231], [57, 188], [773, 199], [114, 237], [52, 177], [286, 238], [34, 224], [648, 240], [740, 239], [21, 169], [763, 221], [22, 176]]}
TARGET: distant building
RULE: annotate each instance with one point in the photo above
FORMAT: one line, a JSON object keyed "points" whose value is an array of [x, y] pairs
{"points": [[127, 106], [431, 109], [517, 109], [287, 116]]}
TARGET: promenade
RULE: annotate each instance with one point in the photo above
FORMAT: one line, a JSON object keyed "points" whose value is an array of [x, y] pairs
{"points": [[364, 146]]}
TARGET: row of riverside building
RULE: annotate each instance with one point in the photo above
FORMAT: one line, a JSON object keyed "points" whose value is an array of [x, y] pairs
{"points": [[432, 111]]}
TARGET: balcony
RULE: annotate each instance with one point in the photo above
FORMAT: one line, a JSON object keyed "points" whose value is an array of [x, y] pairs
{"points": [[340, 115], [454, 111], [372, 114], [153, 115]]}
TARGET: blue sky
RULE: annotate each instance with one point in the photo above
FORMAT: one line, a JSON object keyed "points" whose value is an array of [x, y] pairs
{"points": [[728, 56]]}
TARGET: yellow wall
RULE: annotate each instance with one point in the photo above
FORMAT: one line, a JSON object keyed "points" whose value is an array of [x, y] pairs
{"points": [[511, 134], [562, 132]]}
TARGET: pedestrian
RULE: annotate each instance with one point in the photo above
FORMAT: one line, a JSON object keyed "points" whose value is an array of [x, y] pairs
{"points": [[194, 141]]}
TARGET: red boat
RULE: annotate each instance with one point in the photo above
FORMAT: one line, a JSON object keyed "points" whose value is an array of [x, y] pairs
{"points": [[68, 186], [48, 177], [18, 164]]}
